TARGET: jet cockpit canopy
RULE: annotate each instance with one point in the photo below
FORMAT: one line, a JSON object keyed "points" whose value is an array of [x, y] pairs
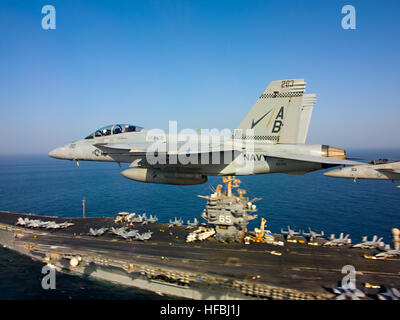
{"points": [[114, 129], [379, 161]]}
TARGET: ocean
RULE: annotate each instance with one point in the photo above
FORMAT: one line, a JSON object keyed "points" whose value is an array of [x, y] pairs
{"points": [[45, 186]]}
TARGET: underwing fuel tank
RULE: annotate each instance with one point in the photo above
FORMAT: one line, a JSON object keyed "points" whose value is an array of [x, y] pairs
{"points": [[158, 176]]}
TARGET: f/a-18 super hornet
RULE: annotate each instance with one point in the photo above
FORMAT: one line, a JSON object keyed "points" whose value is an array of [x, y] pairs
{"points": [[374, 243], [151, 219], [380, 170], [42, 224], [342, 240], [97, 232], [312, 235], [193, 224], [290, 233], [270, 139], [175, 223]]}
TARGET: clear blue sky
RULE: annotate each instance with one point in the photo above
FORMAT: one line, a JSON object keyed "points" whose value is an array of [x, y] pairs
{"points": [[202, 63]]}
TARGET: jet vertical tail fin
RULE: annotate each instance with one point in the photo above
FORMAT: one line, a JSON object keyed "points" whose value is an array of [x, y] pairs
{"points": [[280, 115], [305, 116]]}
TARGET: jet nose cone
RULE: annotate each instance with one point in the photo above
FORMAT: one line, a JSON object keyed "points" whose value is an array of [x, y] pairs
{"points": [[125, 173], [52, 153], [58, 153], [332, 173]]}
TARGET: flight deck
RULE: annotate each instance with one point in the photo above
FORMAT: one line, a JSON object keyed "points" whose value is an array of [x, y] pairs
{"points": [[210, 269]]}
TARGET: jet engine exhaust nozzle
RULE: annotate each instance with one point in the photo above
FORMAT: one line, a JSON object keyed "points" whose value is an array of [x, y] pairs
{"points": [[333, 152]]}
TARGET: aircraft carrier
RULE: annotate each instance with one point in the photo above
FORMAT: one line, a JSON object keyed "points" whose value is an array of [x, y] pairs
{"points": [[232, 263]]}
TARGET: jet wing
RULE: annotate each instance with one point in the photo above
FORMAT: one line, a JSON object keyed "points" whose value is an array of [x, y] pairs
{"points": [[389, 170], [128, 149], [309, 158], [390, 167]]}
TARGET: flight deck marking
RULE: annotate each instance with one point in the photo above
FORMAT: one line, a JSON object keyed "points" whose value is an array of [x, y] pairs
{"points": [[386, 274]]}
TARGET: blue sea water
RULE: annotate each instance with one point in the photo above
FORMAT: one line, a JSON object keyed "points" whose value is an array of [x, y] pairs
{"points": [[46, 186]]}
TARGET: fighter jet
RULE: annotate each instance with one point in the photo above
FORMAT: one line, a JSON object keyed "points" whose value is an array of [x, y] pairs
{"points": [[121, 232], [342, 240], [124, 235], [132, 233], [175, 223], [147, 235], [312, 234], [150, 220], [348, 293], [270, 139], [378, 170], [193, 224], [144, 236], [127, 235], [388, 253], [138, 219], [146, 220], [31, 223], [53, 225], [290, 233], [153, 219], [66, 224], [374, 243], [128, 217], [390, 294], [34, 224], [45, 224], [97, 232], [22, 221], [118, 231]]}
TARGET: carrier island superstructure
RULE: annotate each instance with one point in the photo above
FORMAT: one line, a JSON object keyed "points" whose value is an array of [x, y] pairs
{"points": [[229, 213]]}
